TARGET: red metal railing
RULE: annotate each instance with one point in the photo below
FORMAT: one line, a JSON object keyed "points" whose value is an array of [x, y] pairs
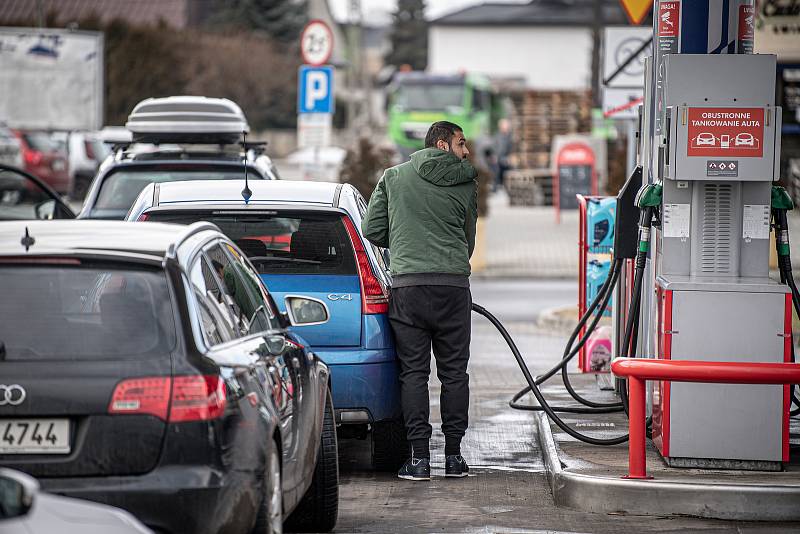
{"points": [[638, 371]]}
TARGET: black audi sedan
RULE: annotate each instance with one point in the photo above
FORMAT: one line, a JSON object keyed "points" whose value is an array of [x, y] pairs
{"points": [[147, 367]]}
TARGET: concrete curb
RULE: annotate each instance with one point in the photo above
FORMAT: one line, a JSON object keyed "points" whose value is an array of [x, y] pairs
{"points": [[553, 319], [611, 494]]}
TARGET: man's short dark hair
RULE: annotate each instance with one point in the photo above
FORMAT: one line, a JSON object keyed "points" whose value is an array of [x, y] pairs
{"points": [[441, 131]]}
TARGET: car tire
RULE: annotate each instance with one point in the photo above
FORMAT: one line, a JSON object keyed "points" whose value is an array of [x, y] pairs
{"points": [[270, 514], [389, 445], [319, 507]]}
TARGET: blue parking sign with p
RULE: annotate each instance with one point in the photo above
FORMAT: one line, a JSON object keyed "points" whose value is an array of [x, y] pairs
{"points": [[315, 91]]}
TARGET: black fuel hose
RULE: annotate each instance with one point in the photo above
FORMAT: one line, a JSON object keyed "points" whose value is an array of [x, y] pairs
{"points": [[632, 323], [601, 300], [631, 335], [630, 339], [616, 406], [785, 269], [535, 388]]}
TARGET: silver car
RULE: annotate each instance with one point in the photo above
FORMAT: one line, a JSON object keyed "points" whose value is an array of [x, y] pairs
{"points": [[10, 151], [24, 509]]}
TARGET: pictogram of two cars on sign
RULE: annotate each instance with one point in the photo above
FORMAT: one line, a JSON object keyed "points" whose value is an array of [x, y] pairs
{"points": [[742, 140]]}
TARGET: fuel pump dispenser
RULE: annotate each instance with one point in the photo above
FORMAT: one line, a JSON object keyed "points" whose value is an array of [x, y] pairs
{"points": [[715, 301], [691, 280], [703, 197]]}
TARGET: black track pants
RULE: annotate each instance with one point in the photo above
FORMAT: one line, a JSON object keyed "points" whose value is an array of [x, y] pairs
{"points": [[432, 316]]}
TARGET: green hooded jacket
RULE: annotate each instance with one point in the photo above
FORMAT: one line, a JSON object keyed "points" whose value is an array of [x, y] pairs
{"points": [[425, 211]]}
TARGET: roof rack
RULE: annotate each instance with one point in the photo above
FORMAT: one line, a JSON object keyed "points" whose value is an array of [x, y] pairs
{"points": [[192, 150], [187, 119]]}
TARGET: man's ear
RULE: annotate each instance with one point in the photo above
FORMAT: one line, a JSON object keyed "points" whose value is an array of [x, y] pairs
{"points": [[442, 145]]}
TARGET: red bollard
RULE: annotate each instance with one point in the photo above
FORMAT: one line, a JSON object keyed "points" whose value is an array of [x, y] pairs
{"points": [[637, 460]]}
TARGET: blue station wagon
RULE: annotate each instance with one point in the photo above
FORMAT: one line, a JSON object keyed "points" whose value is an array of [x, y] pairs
{"points": [[304, 238]]}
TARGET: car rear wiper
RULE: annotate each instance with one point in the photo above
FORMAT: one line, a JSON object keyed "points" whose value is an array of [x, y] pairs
{"points": [[287, 260]]}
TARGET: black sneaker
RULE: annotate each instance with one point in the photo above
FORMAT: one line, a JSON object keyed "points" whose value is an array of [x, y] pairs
{"points": [[415, 469], [455, 466]]}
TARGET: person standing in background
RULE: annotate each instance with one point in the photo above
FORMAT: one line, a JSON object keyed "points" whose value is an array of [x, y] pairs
{"points": [[503, 146]]}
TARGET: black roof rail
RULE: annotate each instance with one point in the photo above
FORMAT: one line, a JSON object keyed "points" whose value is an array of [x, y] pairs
{"points": [[259, 147], [193, 149]]}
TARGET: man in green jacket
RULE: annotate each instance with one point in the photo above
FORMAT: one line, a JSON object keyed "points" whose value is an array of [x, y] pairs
{"points": [[425, 211]]}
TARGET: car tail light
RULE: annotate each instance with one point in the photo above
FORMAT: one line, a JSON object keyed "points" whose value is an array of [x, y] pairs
{"points": [[192, 398], [142, 396], [197, 398], [373, 296], [33, 157], [143, 217]]}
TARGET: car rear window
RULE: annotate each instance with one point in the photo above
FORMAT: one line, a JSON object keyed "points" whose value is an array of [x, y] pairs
{"points": [[281, 242], [78, 312], [120, 189]]}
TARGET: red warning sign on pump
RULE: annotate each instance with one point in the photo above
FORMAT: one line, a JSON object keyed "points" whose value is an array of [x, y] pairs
{"points": [[668, 15], [747, 15], [723, 132]]}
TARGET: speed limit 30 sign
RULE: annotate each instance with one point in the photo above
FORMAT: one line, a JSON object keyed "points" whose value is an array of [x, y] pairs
{"points": [[316, 43]]}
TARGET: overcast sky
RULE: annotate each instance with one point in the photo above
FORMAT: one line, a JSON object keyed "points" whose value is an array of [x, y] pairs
{"points": [[379, 11]]}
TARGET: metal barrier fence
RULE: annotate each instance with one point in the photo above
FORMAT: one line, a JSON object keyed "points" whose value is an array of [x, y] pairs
{"points": [[638, 371]]}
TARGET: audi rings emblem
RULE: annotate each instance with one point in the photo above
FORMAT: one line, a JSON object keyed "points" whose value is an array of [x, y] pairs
{"points": [[12, 395]]}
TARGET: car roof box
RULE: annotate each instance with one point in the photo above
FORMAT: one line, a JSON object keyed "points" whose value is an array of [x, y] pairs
{"points": [[187, 119]]}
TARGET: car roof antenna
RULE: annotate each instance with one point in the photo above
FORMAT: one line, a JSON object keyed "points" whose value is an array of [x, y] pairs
{"points": [[246, 193], [27, 240]]}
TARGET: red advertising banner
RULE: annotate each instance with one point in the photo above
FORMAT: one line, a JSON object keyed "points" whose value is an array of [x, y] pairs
{"points": [[668, 19], [747, 16], [724, 132]]}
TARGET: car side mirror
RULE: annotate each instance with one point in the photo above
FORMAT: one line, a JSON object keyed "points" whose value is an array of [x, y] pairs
{"points": [[305, 311], [17, 492]]}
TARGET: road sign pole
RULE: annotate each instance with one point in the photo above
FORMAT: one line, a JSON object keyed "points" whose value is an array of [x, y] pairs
{"points": [[315, 92]]}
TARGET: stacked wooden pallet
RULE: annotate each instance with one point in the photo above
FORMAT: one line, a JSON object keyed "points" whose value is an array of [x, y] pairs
{"points": [[541, 115], [529, 187]]}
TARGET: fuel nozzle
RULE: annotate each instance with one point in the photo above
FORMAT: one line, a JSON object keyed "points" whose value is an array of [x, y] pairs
{"points": [[649, 200], [781, 203]]}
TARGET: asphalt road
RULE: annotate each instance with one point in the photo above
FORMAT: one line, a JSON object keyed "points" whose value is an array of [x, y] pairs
{"points": [[507, 490], [523, 300]]}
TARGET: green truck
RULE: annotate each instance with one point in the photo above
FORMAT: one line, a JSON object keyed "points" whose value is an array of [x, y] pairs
{"points": [[417, 99]]}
